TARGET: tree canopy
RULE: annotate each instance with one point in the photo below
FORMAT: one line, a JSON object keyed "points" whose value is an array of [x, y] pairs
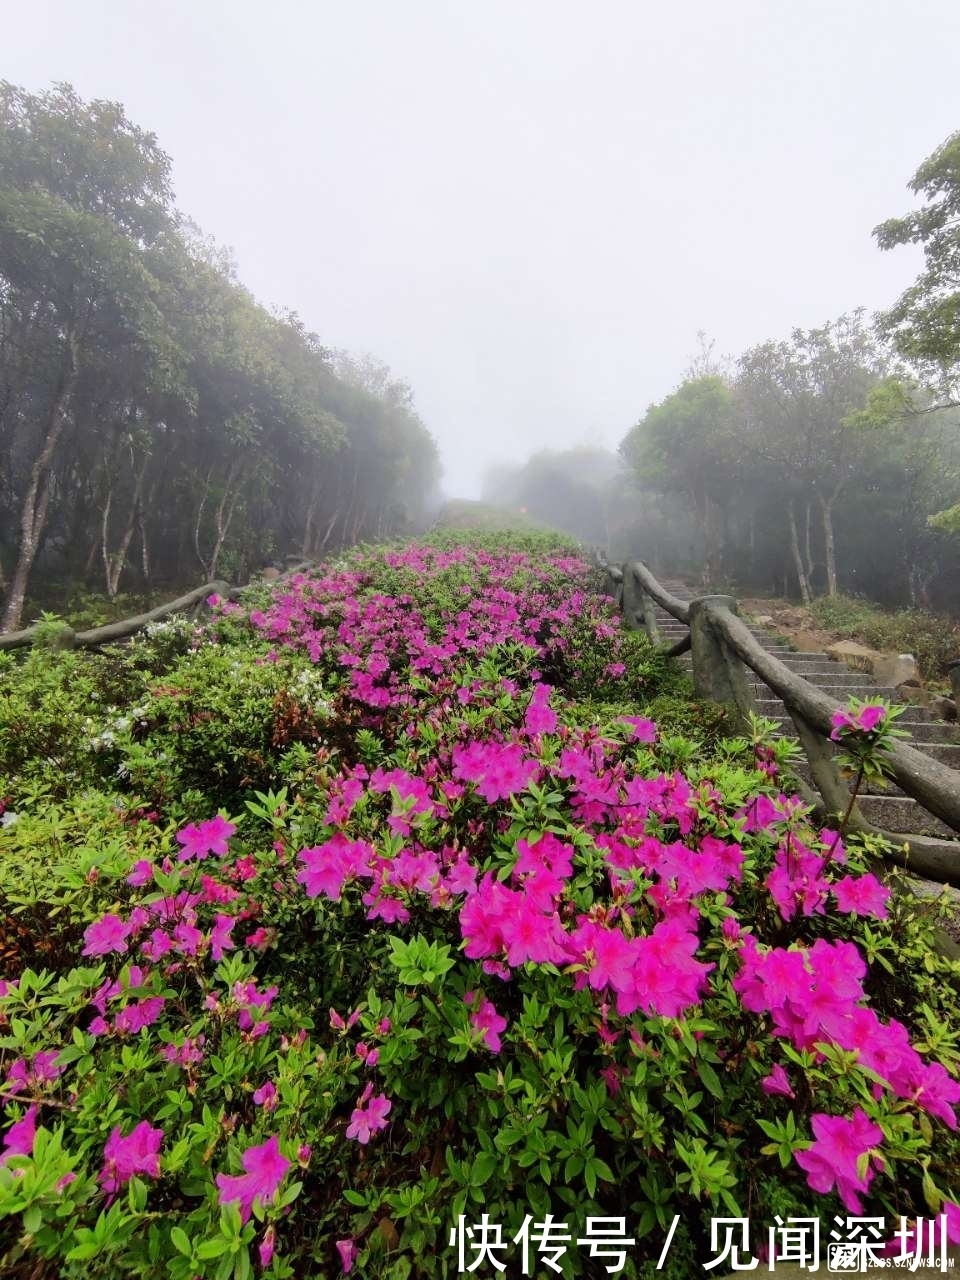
{"points": [[156, 421]]}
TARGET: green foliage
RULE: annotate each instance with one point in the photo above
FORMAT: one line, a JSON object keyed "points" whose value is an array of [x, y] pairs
{"points": [[658, 1117], [925, 322], [187, 405], [933, 640]]}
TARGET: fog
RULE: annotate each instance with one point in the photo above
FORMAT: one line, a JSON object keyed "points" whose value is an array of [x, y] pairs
{"points": [[529, 210]]}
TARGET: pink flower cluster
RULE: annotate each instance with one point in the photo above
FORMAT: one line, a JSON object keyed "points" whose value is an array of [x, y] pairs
{"points": [[866, 720], [815, 996]]}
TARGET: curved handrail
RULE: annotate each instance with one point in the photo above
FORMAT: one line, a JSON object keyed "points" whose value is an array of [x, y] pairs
{"points": [[934, 785], [678, 608], [931, 783], [67, 638]]}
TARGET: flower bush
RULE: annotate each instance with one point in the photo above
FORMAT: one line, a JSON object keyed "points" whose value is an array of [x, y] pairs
{"points": [[454, 925]]}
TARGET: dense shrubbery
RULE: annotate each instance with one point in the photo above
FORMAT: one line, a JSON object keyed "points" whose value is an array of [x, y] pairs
{"points": [[385, 901], [932, 639]]}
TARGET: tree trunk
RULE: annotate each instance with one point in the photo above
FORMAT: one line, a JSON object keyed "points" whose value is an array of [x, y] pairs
{"points": [[751, 541], [233, 486], [808, 553], [33, 512], [308, 521], [701, 505], [144, 548], [826, 510], [797, 558], [114, 562], [327, 532]]}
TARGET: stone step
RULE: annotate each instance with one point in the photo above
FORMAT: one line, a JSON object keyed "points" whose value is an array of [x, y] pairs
{"points": [[829, 678], [903, 814], [802, 769], [947, 753], [885, 806], [809, 662], [866, 693], [920, 734]]}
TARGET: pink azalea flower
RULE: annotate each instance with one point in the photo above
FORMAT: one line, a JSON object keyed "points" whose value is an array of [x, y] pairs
{"points": [[870, 717], [203, 838], [369, 1116], [644, 730], [267, 1245], [265, 1168], [777, 1082], [107, 934], [497, 771], [220, 940], [141, 874], [19, 1138], [138, 1152], [863, 894], [348, 1251], [485, 1019], [266, 1096], [832, 1160], [540, 716]]}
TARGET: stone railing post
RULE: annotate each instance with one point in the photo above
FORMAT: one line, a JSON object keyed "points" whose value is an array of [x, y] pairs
{"points": [[718, 673], [650, 617], [631, 599]]}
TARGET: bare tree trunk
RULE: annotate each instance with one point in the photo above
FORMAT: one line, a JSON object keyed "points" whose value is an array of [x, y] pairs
{"points": [[199, 521], [308, 521], [702, 509], [326, 537], [144, 547], [114, 562], [797, 558], [33, 511], [808, 554], [751, 539], [233, 486], [826, 510]]}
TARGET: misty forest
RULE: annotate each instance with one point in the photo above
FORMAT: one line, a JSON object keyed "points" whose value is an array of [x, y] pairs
{"points": [[447, 884]]}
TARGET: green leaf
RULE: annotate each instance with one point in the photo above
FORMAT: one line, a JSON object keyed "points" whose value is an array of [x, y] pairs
{"points": [[181, 1241]]}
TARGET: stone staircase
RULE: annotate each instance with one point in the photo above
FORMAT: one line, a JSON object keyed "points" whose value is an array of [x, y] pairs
{"points": [[886, 807]]}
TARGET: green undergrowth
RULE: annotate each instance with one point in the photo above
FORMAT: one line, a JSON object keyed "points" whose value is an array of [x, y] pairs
{"points": [[253, 880], [933, 640]]}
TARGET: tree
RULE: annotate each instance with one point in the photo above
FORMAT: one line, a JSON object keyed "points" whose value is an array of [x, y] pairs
{"points": [[81, 193], [797, 401], [688, 443], [924, 324]]}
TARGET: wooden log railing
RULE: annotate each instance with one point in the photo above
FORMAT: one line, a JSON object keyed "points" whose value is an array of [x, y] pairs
{"points": [[722, 647], [67, 638]]}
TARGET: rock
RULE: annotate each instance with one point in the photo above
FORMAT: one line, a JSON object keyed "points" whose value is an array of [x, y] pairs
{"points": [[270, 574], [916, 696], [892, 669], [793, 618], [895, 669], [853, 654]]}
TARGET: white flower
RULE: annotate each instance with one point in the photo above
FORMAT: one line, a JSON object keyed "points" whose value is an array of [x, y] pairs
{"points": [[9, 818]]}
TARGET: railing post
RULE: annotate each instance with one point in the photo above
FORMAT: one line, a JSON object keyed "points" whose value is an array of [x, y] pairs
{"points": [[631, 598], [650, 617], [638, 607], [827, 778], [718, 673]]}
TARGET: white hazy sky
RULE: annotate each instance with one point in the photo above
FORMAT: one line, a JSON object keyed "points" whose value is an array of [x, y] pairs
{"points": [[529, 208]]}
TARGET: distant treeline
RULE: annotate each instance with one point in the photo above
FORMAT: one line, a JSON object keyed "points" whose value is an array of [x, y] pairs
{"points": [[157, 424], [825, 463]]}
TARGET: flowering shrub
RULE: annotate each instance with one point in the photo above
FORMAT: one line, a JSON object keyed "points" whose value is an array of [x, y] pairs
{"points": [[480, 937]]}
